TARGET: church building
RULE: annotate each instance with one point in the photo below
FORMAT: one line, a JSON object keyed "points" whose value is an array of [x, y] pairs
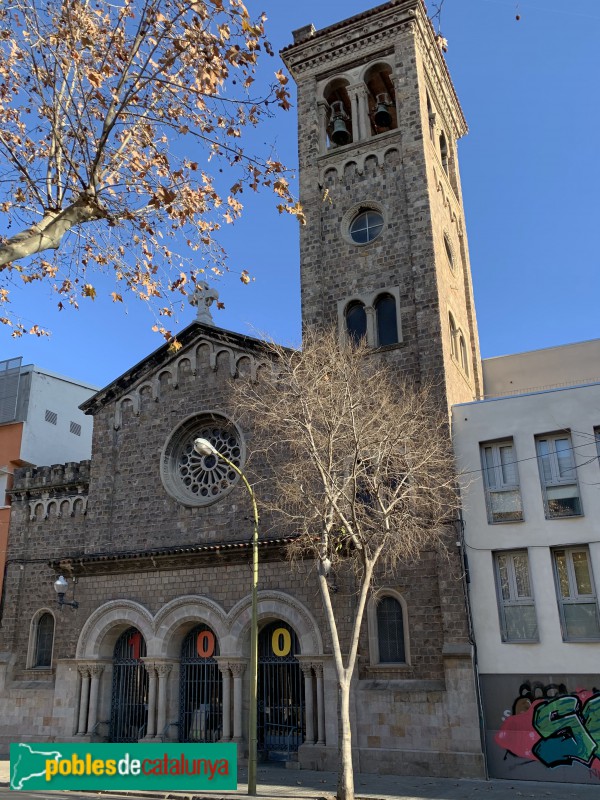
{"points": [[152, 640]]}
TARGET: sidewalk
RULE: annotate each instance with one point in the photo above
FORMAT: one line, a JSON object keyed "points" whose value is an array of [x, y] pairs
{"points": [[278, 783]]}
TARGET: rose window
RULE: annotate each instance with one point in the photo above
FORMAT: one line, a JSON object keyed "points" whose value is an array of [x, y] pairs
{"points": [[194, 479]]}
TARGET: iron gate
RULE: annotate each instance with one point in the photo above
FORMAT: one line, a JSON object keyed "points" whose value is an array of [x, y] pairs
{"points": [[200, 688], [129, 702], [281, 714]]}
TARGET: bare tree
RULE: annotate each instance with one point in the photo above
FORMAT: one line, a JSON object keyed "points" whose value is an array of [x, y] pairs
{"points": [[361, 470], [109, 115]]}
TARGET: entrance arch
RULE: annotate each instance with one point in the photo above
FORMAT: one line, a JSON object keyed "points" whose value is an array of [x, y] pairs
{"points": [[200, 688], [281, 703], [129, 698]]}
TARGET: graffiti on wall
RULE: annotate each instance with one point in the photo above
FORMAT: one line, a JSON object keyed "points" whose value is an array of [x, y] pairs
{"points": [[553, 726]]}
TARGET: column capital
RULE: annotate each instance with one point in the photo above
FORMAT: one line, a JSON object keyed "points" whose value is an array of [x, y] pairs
{"points": [[237, 668], [96, 669], [306, 668], [163, 669], [318, 668], [84, 670], [149, 665]]}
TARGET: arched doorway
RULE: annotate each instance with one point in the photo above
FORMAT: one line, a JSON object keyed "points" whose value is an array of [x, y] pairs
{"points": [[129, 700], [281, 714], [200, 688]]}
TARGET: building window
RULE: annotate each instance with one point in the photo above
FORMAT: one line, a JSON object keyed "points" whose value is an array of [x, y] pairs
{"points": [[390, 631], [516, 606], [501, 482], [452, 325], [444, 151], [75, 428], [464, 360], [576, 594], [51, 417], [366, 226], [198, 480], [558, 476], [449, 251], [44, 640], [597, 435], [356, 322], [387, 322]]}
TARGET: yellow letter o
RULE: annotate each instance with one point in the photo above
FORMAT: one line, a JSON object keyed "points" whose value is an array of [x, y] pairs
{"points": [[282, 637]]}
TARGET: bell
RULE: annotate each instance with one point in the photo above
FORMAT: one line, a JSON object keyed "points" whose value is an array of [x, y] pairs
{"points": [[382, 117], [339, 134]]}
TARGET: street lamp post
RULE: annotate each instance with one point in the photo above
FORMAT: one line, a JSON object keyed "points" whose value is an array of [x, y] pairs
{"points": [[204, 448]]}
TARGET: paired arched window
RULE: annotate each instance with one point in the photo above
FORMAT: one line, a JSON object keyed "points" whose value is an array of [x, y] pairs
{"points": [[458, 345], [44, 640], [349, 113], [383, 310]]}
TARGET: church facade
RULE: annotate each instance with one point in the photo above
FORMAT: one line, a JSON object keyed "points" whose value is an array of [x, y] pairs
{"points": [[154, 539]]}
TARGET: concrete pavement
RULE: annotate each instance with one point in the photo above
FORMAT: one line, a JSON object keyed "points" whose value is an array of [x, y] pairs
{"points": [[278, 783]]}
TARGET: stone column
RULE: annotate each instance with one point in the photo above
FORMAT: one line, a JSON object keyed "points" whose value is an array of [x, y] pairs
{"points": [[238, 671], [318, 668], [353, 94], [308, 699], [323, 111], [84, 698], [371, 326], [226, 673], [364, 123], [161, 715], [151, 724], [96, 671]]}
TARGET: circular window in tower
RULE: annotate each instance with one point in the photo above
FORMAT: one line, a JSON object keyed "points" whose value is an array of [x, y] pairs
{"points": [[363, 223], [198, 480], [366, 226]]}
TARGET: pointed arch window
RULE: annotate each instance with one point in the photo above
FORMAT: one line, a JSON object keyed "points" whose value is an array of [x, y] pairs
{"points": [[44, 641], [387, 321], [356, 322]]}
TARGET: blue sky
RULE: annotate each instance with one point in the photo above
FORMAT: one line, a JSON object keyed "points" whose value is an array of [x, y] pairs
{"points": [[530, 169]]}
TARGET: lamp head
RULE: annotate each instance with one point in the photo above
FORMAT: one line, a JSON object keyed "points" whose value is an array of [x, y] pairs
{"points": [[204, 448], [61, 585]]}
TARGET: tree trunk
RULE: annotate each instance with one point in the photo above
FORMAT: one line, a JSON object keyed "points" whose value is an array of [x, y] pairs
{"points": [[345, 786], [50, 231]]}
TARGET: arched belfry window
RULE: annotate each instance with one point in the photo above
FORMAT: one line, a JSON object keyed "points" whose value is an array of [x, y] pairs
{"points": [[381, 98], [390, 631], [387, 322], [356, 322], [44, 641], [338, 122], [444, 151]]}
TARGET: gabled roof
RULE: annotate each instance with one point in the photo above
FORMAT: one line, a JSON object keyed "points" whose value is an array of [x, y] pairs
{"points": [[164, 355]]}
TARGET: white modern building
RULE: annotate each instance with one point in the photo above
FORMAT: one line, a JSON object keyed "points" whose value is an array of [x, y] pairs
{"points": [[40, 424], [529, 458]]}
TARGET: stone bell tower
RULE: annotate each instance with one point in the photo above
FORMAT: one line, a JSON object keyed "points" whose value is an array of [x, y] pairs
{"points": [[384, 252]]}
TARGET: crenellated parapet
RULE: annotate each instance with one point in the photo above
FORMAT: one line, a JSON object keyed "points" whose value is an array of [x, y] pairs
{"points": [[59, 490]]}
